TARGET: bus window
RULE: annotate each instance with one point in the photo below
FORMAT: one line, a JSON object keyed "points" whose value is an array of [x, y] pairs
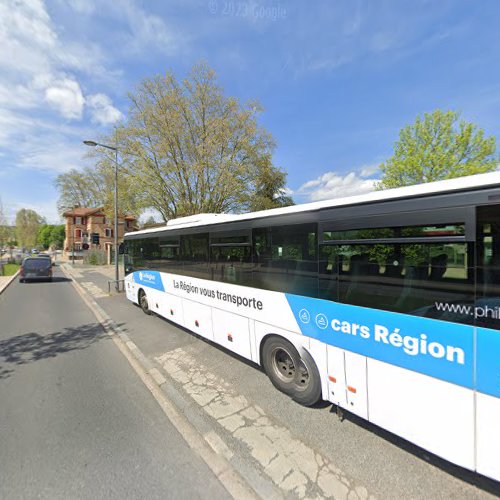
{"points": [[231, 264], [329, 262], [487, 307], [286, 259], [194, 255], [432, 280]]}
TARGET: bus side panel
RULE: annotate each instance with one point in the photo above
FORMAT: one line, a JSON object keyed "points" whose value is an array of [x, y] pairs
{"points": [[232, 332], [155, 298], [171, 308], [488, 435], [131, 289], [435, 415], [263, 329], [355, 374], [318, 351], [198, 318], [336, 377], [488, 401]]}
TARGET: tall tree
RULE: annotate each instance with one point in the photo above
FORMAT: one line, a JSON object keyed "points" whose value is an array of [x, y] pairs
{"points": [[4, 228], [190, 149], [93, 187], [27, 225], [269, 190], [50, 235], [57, 236], [77, 188], [438, 146]]}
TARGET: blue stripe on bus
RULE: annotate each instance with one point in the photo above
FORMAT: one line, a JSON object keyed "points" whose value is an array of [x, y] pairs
{"points": [[436, 348], [488, 361], [149, 278]]}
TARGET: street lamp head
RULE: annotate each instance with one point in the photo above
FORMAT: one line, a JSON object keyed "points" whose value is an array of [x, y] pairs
{"points": [[90, 143]]}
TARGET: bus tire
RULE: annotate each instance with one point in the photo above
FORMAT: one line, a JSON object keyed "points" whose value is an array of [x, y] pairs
{"points": [[290, 372], [143, 302]]}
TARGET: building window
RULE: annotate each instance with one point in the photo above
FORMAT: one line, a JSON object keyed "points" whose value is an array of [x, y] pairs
{"points": [[78, 220], [78, 233], [108, 233]]}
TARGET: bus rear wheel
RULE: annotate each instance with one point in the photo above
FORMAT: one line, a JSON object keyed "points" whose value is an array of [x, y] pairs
{"points": [[290, 372], [143, 302]]}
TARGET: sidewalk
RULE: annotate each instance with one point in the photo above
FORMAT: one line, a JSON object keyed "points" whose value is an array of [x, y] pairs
{"points": [[5, 281], [279, 447]]}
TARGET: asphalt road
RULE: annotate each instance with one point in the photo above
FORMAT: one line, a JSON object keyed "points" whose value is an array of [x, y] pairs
{"points": [[362, 455], [75, 420]]}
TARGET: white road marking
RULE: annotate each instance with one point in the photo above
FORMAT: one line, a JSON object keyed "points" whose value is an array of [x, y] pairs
{"points": [[93, 289]]}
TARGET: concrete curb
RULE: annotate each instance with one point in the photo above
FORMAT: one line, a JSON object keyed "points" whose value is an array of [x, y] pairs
{"points": [[153, 379], [4, 287]]}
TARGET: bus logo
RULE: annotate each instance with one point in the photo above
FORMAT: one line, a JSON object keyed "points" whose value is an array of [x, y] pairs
{"points": [[321, 321], [304, 316]]}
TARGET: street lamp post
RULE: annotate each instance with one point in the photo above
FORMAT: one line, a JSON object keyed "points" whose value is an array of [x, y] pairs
{"points": [[115, 230]]}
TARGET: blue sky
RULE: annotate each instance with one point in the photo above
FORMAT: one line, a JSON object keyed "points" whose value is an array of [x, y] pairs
{"points": [[337, 79]]}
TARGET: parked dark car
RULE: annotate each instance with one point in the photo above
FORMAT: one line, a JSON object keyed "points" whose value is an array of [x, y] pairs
{"points": [[35, 268]]}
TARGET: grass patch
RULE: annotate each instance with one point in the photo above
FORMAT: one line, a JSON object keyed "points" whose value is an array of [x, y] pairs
{"points": [[10, 269]]}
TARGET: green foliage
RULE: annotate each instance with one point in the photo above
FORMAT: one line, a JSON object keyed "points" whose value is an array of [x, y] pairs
{"points": [[5, 230], [436, 147], [190, 149], [95, 257], [27, 225], [9, 269], [58, 234], [51, 236], [93, 187], [269, 189]]}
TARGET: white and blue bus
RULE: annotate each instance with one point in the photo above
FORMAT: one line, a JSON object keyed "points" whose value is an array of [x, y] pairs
{"points": [[385, 304]]}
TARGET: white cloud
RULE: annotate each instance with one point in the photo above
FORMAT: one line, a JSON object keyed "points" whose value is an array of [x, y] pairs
{"points": [[286, 191], [368, 170], [332, 185], [102, 110], [38, 67], [66, 96], [46, 208], [54, 155], [85, 7], [150, 212], [26, 36]]}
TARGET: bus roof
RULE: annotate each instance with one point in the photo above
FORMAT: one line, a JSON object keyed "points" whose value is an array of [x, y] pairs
{"points": [[471, 182]]}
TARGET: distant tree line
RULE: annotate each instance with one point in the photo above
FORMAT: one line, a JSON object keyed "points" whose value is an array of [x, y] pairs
{"points": [[30, 231]]}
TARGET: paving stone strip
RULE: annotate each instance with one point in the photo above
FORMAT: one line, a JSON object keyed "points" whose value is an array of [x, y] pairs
{"points": [[93, 289], [290, 463]]}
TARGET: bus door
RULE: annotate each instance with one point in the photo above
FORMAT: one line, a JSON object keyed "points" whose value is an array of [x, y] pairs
{"points": [[347, 380]]}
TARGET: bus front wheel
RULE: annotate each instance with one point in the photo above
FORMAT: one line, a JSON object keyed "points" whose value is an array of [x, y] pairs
{"points": [[290, 372], [143, 302]]}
